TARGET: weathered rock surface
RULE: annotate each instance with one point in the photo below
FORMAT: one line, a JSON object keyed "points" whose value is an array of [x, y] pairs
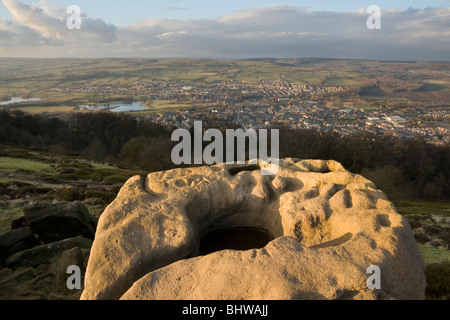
{"points": [[44, 254], [15, 241], [41, 273], [329, 226], [20, 276], [71, 257], [59, 221]]}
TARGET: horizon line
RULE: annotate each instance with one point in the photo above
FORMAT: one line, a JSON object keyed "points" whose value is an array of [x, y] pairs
{"points": [[218, 59]]}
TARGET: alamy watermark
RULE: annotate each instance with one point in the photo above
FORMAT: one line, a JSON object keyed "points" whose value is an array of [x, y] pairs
{"points": [[374, 281], [74, 20], [374, 21], [190, 149], [74, 281]]}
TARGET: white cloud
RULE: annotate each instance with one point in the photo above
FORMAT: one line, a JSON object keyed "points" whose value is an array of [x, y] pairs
{"points": [[12, 35], [51, 10], [285, 31], [275, 31], [48, 24]]}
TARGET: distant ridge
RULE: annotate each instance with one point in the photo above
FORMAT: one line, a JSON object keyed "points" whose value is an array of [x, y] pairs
{"points": [[293, 61]]}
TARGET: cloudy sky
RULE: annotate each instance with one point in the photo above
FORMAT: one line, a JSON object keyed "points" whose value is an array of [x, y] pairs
{"points": [[410, 30]]}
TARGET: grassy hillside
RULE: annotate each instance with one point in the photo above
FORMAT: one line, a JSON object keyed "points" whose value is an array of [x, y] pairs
{"points": [[30, 175]]}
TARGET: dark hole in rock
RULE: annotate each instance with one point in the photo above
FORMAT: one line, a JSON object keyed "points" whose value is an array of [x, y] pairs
{"points": [[238, 238], [236, 170]]}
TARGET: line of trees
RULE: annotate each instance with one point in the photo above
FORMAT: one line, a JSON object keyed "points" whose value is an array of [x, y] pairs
{"points": [[104, 137], [404, 169]]}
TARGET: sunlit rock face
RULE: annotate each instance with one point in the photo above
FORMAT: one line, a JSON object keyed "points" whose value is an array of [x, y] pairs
{"points": [[309, 232]]}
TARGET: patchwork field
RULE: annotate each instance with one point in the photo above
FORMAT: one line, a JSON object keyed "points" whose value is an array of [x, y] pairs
{"points": [[426, 82]]}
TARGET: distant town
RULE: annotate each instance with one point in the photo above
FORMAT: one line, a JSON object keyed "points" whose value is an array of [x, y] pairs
{"points": [[313, 115], [281, 104], [263, 104]]}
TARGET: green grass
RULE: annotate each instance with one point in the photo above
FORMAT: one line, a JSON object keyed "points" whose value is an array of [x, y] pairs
{"points": [[37, 168], [438, 281], [340, 81], [423, 207], [8, 214], [7, 180], [166, 104], [30, 182], [429, 253], [434, 255], [100, 166], [40, 110], [13, 164]]}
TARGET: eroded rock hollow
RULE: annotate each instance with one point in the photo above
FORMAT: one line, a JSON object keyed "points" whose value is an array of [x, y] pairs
{"points": [[309, 232]]}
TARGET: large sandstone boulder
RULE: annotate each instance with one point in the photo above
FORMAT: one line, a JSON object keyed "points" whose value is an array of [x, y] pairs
{"points": [[328, 226]]}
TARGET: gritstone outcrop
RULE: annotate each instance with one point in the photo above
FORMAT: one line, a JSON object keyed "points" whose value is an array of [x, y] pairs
{"points": [[328, 226]]}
